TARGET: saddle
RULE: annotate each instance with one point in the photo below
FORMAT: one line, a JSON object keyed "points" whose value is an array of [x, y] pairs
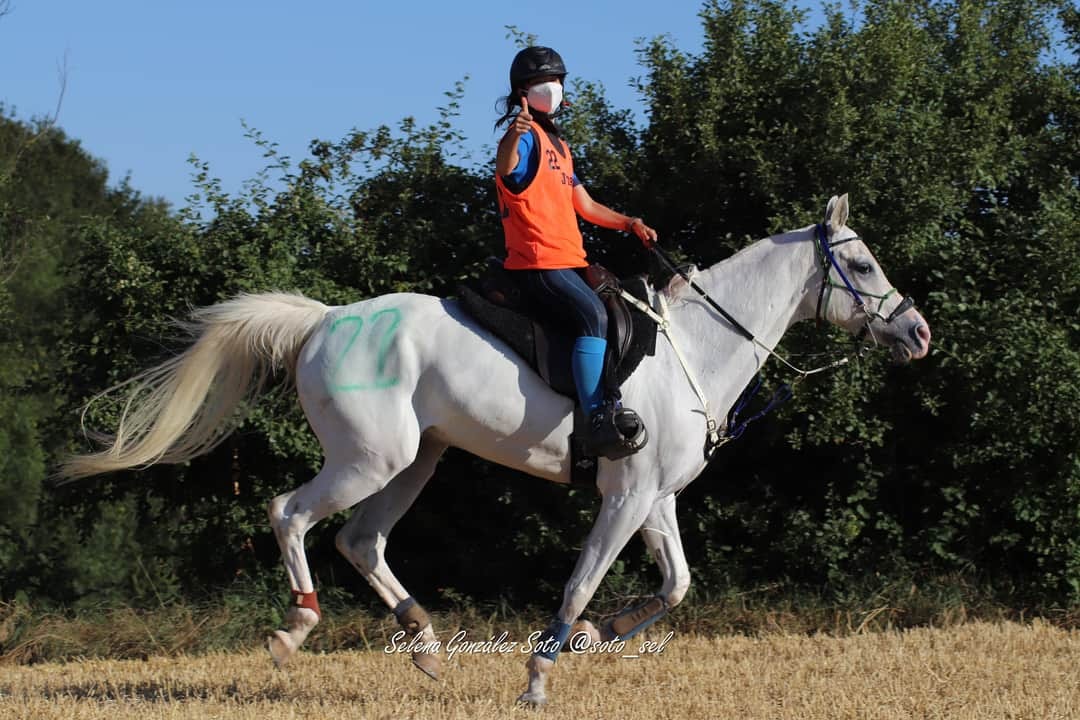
{"points": [[499, 305]]}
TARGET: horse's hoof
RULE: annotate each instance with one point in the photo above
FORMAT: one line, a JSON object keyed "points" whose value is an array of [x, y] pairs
{"points": [[429, 663], [281, 647], [532, 700]]}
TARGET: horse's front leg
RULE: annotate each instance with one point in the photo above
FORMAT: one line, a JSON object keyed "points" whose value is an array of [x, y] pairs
{"points": [[661, 535], [621, 513]]}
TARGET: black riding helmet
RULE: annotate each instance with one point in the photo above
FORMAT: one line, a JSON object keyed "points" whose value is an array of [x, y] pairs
{"points": [[534, 62]]}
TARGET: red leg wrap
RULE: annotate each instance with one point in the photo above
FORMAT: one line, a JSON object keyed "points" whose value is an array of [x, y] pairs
{"points": [[307, 600]]}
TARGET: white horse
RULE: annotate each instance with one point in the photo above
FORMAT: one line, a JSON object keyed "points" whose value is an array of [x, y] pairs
{"points": [[389, 383]]}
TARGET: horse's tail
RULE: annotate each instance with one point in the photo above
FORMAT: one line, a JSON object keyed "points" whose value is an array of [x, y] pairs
{"points": [[181, 408]]}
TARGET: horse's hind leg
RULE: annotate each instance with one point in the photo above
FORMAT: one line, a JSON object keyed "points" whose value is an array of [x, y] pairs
{"points": [[340, 485], [363, 542]]}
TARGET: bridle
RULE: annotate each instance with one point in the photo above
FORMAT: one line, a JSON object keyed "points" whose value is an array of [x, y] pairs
{"points": [[828, 261]]}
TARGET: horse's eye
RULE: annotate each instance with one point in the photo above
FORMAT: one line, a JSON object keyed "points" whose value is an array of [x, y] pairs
{"points": [[863, 268]]}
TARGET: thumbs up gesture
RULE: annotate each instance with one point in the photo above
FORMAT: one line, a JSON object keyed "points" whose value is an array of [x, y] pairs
{"points": [[523, 121]]}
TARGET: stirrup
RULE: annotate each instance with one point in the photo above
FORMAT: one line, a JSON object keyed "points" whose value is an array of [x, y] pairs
{"points": [[615, 432]]}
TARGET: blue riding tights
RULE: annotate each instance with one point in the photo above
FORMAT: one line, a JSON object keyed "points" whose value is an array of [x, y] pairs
{"points": [[566, 296]]}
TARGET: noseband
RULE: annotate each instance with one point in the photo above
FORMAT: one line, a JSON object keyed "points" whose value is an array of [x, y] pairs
{"points": [[829, 263]]}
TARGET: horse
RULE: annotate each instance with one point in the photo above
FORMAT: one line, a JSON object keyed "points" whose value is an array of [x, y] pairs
{"points": [[389, 383]]}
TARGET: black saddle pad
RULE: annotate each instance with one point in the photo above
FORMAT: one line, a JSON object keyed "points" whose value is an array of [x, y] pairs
{"points": [[547, 349]]}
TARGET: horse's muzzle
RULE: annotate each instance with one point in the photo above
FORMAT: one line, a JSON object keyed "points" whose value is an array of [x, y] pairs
{"points": [[913, 345]]}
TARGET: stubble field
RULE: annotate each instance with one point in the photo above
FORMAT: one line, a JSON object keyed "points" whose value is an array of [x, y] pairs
{"points": [[977, 670]]}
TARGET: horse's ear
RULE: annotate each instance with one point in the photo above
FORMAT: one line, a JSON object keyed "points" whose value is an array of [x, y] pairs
{"points": [[836, 213]]}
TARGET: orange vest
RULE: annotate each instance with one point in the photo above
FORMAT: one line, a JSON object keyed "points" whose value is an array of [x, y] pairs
{"points": [[540, 223]]}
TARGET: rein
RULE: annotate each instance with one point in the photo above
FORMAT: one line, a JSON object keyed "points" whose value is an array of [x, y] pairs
{"points": [[824, 251], [670, 265]]}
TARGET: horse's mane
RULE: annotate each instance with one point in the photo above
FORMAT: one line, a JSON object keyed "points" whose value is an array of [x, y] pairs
{"points": [[677, 288]]}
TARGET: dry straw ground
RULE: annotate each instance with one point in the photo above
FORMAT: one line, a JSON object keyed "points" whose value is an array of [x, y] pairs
{"points": [[978, 670]]}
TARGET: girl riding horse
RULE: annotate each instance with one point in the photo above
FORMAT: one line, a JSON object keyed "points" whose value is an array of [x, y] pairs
{"points": [[540, 198]]}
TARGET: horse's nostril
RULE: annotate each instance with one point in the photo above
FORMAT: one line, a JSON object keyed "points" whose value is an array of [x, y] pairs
{"points": [[920, 338]]}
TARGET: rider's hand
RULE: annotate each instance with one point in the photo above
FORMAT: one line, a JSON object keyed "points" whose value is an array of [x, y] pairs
{"points": [[644, 233], [523, 121]]}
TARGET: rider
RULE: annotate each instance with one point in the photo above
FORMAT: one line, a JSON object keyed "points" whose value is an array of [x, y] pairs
{"points": [[539, 195]]}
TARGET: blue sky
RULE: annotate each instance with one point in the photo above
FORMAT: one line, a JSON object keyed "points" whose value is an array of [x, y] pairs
{"points": [[148, 83]]}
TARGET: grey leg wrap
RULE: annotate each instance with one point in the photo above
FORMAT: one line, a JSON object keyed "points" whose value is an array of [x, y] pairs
{"points": [[411, 616], [413, 619], [633, 621]]}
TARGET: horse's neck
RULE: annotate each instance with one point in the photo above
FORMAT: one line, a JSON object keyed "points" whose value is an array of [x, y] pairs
{"points": [[767, 287], [764, 286]]}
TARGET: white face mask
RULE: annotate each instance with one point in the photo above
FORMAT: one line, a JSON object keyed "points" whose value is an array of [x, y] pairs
{"points": [[545, 97]]}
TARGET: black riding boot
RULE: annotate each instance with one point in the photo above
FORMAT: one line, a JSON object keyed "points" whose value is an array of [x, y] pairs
{"points": [[614, 432]]}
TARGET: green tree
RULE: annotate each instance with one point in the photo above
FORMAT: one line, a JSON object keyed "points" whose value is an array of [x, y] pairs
{"points": [[46, 184], [950, 123]]}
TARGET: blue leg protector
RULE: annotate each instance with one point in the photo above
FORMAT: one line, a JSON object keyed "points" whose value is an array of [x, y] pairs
{"points": [[551, 640], [631, 622], [587, 364], [404, 605]]}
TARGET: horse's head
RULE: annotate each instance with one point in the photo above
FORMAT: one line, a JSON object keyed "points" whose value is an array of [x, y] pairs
{"points": [[855, 294]]}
